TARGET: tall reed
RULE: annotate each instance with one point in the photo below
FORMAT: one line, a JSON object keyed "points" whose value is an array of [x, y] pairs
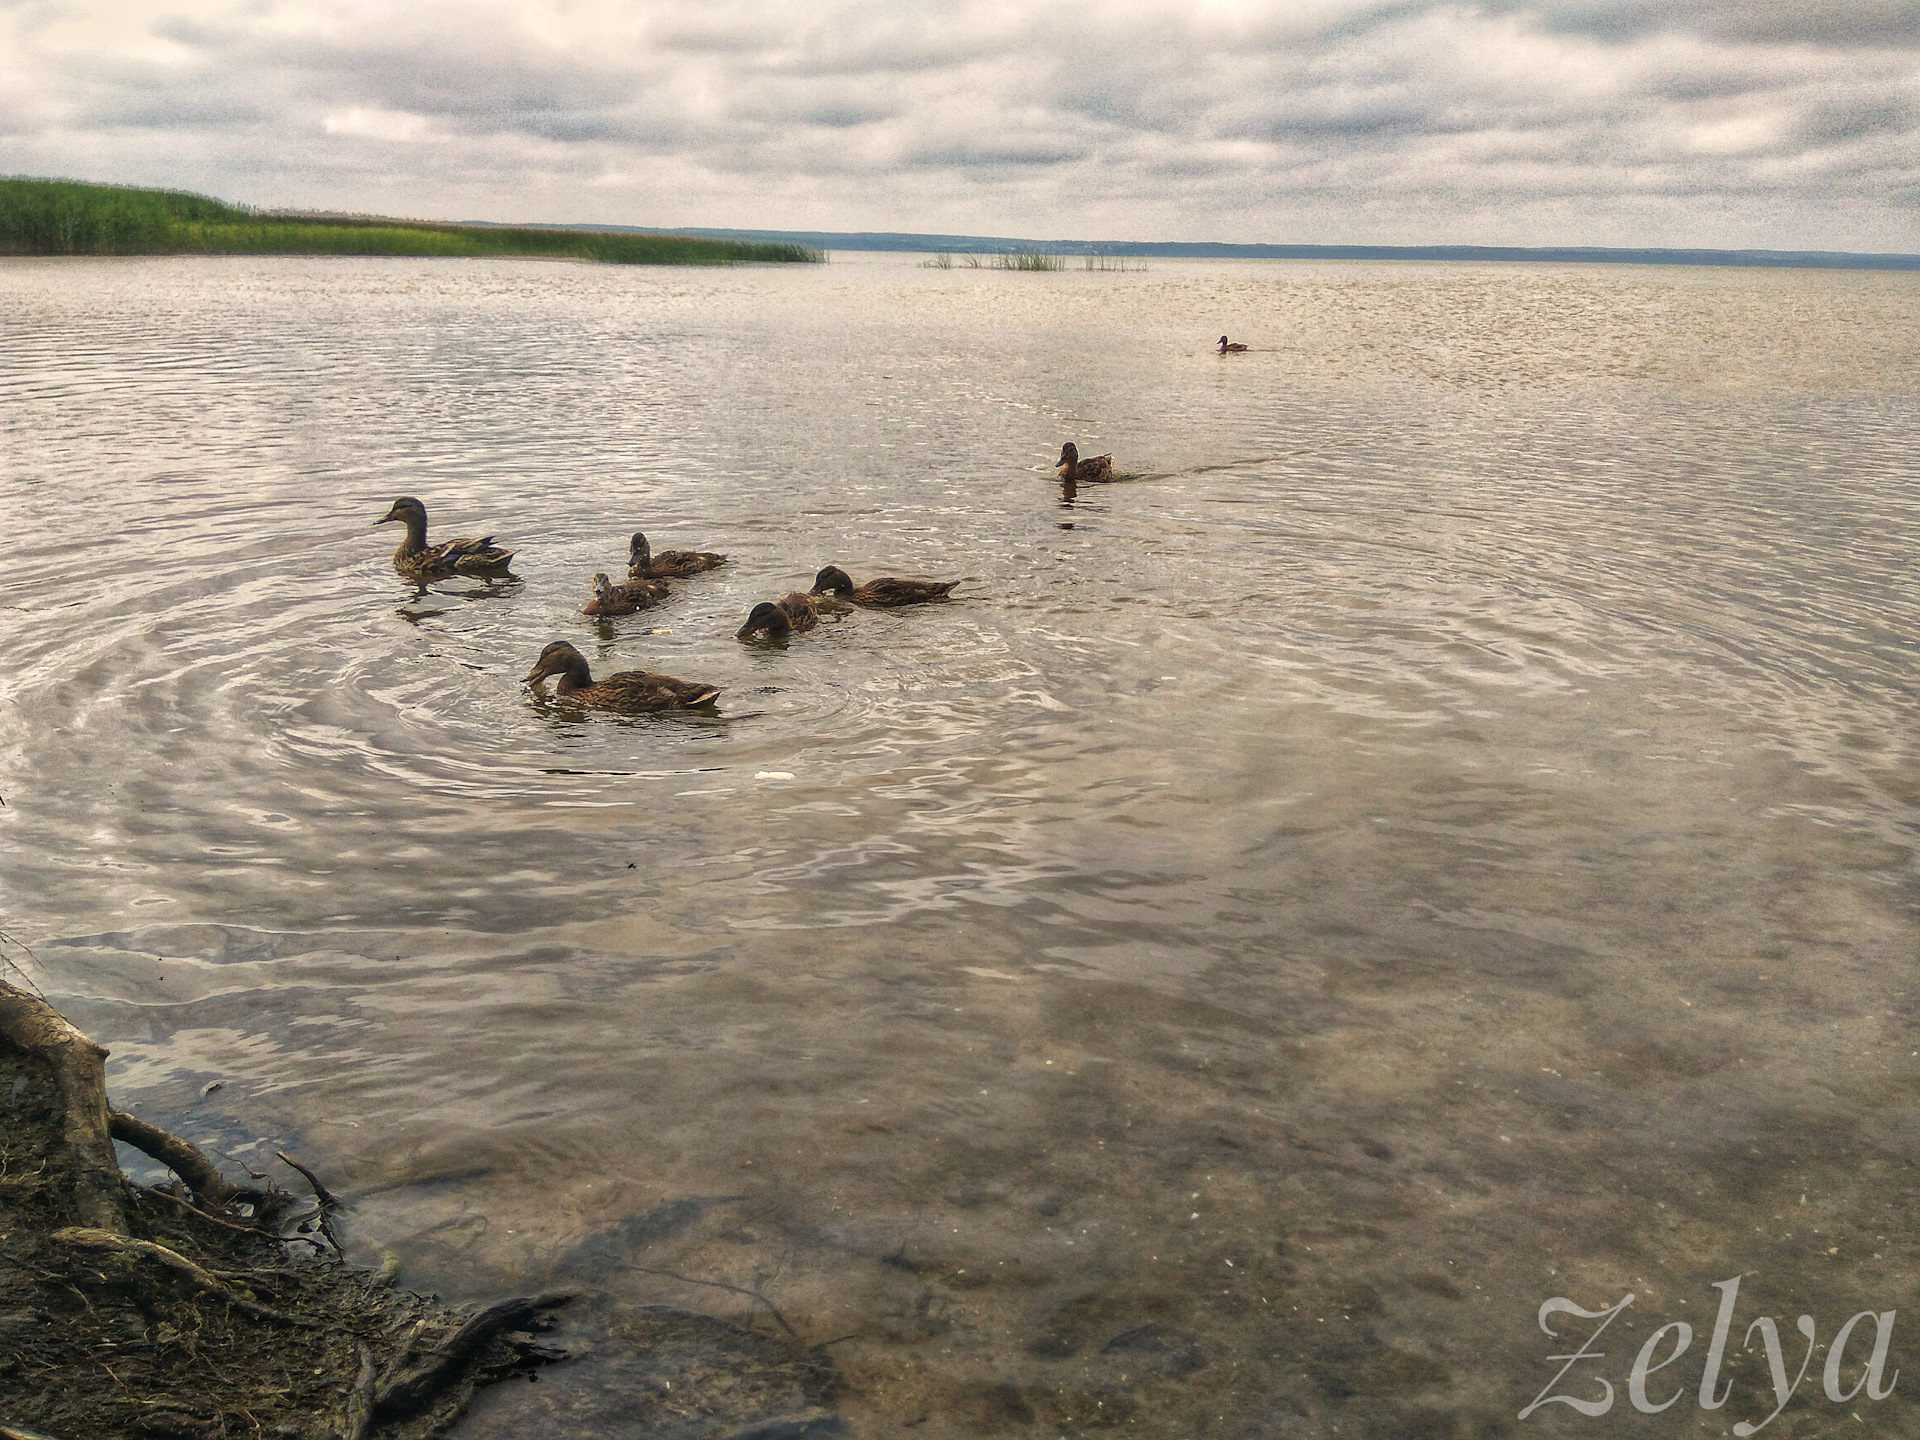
{"points": [[61, 217]]}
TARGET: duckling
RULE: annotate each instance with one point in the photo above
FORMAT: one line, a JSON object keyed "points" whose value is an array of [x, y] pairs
{"points": [[612, 599], [421, 562], [631, 692], [885, 592], [1230, 347], [776, 619], [643, 564], [1072, 467]]}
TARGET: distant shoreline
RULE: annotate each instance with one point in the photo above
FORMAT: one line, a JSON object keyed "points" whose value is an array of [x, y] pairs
{"points": [[882, 241], [64, 217]]}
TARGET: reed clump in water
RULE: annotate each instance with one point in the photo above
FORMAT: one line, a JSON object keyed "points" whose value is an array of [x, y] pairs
{"points": [[62, 217], [1029, 260], [1013, 260]]}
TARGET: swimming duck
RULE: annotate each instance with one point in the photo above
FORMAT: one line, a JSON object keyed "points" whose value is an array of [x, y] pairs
{"points": [[888, 590], [776, 619], [419, 561], [632, 692], [1072, 467], [612, 599], [1230, 347], [643, 564]]}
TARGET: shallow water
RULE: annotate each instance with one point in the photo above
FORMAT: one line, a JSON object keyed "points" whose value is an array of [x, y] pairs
{"points": [[1437, 834]]}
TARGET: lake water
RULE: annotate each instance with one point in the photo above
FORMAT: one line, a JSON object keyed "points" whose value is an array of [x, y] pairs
{"points": [[1438, 833]]}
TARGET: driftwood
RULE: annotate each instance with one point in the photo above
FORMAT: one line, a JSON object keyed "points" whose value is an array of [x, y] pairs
{"points": [[323, 1197], [412, 1390]]}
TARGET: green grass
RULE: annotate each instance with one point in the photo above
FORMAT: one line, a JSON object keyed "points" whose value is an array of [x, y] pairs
{"points": [[64, 217]]}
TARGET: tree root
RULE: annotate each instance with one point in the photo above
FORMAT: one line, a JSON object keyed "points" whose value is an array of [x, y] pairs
{"points": [[155, 1297], [358, 1421], [79, 1066], [179, 1265], [186, 1160]]}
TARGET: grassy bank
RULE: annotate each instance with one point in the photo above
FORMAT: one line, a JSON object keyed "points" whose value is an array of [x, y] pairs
{"points": [[63, 217]]}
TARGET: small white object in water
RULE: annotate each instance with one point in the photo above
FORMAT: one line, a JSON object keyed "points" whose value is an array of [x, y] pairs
{"points": [[986, 974], [774, 775]]}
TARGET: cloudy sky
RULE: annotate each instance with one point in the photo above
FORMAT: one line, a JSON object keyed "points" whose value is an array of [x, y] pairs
{"points": [[1777, 123]]}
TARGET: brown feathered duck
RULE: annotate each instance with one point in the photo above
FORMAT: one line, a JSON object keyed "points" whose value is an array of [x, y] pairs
{"points": [[885, 592], [419, 561], [776, 619], [611, 599], [1072, 467], [632, 692], [1230, 347], [643, 564]]}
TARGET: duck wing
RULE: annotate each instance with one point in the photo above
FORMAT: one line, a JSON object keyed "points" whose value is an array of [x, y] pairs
{"points": [[802, 611], [894, 590], [637, 691], [683, 562], [627, 598], [468, 557]]}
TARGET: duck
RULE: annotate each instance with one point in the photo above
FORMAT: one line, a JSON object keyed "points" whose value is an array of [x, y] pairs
{"points": [[1230, 347], [776, 619], [1072, 467], [885, 592], [417, 560], [631, 692], [643, 564], [612, 599]]}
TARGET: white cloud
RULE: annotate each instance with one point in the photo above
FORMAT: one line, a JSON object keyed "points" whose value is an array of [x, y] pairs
{"points": [[1790, 124], [365, 123]]}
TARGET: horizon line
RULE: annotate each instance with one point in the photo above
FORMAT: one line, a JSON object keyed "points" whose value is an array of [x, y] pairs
{"points": [[935, 243]]}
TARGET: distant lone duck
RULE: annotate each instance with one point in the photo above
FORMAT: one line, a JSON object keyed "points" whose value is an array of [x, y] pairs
{"points": [[643, 564], [776, 619], [1072, 467], [612, 599], [419, 561], [631, 692], [883, 593], [1230, 347]]}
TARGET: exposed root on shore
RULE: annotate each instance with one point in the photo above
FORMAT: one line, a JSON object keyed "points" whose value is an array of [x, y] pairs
{"points": [[183, 1312]]}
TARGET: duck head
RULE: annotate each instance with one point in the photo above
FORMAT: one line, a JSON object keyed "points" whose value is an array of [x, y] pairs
{"points": [[639, 552], [1069, 454], [602, 587], [832, 581], [560, 658], [766, 620], [408, 511]]}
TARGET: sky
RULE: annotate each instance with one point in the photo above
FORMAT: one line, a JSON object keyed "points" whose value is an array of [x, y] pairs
{"points": [[1782, 124]]}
